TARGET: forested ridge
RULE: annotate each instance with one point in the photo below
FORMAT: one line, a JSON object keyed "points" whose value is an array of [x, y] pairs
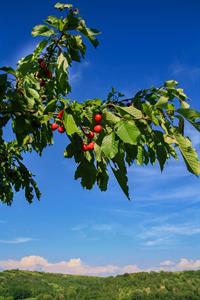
{"points": [[17, 284]]}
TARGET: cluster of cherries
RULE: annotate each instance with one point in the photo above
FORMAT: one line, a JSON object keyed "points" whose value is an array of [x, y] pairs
{"points": [[55, 126], [97, 128], [46, 71]]}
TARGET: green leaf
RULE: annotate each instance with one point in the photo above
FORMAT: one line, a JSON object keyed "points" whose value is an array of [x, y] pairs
{"points": [[98, 152], [42, 30], [181, 124], [62, 6], [162, 101], [55, 22], [26, 65], [122, 180], [62, 62], [33, 93], [110, 145], [102, 178], [40, 47], [8, 70], [70, 124], [51, 106], [62, 75], [190, 115], [128, 132], [189, 154], [89, 33], [131, 110], [69, 151], [86, 171], [110, 118], [3, 85], [171, 83], [161, 156], [140, 154], [184, 104]]}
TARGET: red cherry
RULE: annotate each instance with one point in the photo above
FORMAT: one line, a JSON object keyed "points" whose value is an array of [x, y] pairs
{"points": [[60, 114], [90, 135], [48, 73], [90, 146], [42, 63], [98, 128], [54, 126], [84, 147], [98, 118], [61, 129], [42, 82]]}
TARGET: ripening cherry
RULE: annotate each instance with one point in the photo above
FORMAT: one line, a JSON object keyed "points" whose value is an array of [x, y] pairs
{"points": [[42, 82], [98, 128], [84, 147], [90, 146], [90, 135], [60, 114], [54, 126], [98, 118], [61, 129], [42, 63], [48, 73]]}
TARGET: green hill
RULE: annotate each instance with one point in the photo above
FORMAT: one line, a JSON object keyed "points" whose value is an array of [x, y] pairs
{"points": [[145, 286]]}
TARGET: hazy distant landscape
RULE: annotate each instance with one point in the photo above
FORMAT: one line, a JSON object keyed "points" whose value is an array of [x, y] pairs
{"points": [[16, 285]]}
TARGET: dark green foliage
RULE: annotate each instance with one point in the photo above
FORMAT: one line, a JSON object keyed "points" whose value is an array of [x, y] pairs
{"points": [[148, 128], [16, 285]]}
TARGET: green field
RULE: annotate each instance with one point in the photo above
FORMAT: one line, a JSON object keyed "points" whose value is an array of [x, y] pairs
{"points": [[163, 285]]}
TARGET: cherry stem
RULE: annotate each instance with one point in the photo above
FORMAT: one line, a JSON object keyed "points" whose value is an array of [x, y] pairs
{"points": [[83, 130]]}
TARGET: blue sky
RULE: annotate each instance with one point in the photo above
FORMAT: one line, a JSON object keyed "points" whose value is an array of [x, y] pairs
{"points": [[72, 230]]}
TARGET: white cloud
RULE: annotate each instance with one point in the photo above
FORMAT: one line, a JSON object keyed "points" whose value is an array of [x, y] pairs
{"points": [[188, 264], [77, 267], [155, 242], [167, 263], [19, 240], [72, 266]]}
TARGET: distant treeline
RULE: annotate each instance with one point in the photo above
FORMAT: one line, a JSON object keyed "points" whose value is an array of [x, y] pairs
{"points": [[18, 285]]}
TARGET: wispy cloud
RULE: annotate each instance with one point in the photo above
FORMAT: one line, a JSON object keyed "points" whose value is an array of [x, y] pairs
{"points": [[103, 227], [104, 230], [172, 171], [19, 240], [3, 221], [76, 73], [188, 192], [167, 235], [189, 71]]}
